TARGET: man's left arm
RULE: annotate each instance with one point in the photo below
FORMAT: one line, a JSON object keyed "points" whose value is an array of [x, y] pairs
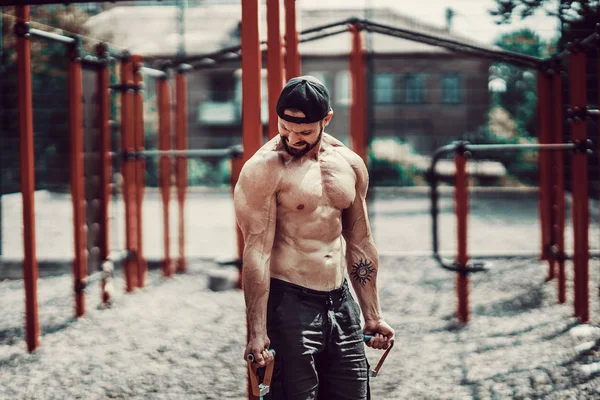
{"points": [[363, 262]]}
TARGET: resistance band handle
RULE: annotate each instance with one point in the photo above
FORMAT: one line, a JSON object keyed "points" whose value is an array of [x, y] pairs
{"points": [[250, 357], [375, 372], [260, 389]]}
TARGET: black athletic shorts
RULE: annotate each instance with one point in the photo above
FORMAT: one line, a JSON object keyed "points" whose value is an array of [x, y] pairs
{"points": [[320, 353]]}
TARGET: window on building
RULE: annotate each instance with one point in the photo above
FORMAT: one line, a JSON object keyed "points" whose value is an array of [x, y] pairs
{"points": [[451, 88], [218, 106], [221, 87], [414, 88], [264, 107], [343, 88], [384, 88]]}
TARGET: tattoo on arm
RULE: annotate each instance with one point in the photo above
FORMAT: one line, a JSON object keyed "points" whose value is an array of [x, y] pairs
{"points": [[362, 271]]}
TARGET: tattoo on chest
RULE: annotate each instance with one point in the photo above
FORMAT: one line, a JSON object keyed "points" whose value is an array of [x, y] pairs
{"points": [[362, 271]]}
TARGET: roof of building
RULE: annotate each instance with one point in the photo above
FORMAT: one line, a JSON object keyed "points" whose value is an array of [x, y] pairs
{"points": [[153, 31]]}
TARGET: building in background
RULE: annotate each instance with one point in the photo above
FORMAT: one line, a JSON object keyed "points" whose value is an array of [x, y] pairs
{"points": [[424, 96]]}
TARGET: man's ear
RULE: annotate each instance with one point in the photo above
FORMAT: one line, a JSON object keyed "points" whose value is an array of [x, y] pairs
{"points": [[327, 118]]}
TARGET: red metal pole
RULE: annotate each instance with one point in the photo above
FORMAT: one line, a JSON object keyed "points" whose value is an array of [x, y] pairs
{"points": [[128, 170], [292, 54], [358, 117], [181, 166], [77, 176], [274, 62], [545, 167], [579, 179], [461, 201], [103, 87], [559, 183], [30, 264], [252, 129], [165, 166], [251, 80], [140, 165]]}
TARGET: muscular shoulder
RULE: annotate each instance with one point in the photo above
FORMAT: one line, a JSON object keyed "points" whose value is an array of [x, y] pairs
{"points": [[353, 159], [263, 170]]}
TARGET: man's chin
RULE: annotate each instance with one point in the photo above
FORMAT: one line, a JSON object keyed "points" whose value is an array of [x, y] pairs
{"points": [[296, 152]]}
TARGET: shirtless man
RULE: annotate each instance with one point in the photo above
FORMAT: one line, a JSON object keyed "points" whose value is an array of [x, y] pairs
{"points": [[301, 205]]}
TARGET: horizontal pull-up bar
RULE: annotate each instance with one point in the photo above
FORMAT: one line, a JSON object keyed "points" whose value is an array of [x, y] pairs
{"points": [[533, 146], [233, 52], [454, 45], [24, 29], [463, 146], [153, 73], [323, 35], [582, 113], [229, 152], [460, 147], [320, 28], [52, 36], [233, 151]]}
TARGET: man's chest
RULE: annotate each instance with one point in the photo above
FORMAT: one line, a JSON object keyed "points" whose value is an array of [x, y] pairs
{"points": [[327, 182]]}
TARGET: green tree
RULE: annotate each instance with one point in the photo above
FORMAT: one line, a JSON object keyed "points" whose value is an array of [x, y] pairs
{"points": [[519, 98], [578, 20], [577, 17]]}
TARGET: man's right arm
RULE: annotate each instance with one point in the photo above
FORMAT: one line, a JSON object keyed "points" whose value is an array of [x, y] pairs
{"points": [[255, 209]]}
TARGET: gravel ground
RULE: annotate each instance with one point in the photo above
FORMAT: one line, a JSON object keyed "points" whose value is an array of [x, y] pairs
{"points": [[176, 339]]}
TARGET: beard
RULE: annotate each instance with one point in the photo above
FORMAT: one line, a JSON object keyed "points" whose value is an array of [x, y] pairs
{"points": [[299, 152]]}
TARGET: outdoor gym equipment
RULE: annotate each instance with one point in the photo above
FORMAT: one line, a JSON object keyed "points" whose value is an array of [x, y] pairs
{"points": [[260, 389], [552, 187], [374, 372], [462, 265], [132, 71]]}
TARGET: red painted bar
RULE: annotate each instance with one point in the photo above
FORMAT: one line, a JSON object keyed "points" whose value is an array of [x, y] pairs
{"points": [[545, 168], [181, 166], [103, 87], [140, 166], [559, 182], [577, 70], [252, 128], [27, 167], [252, 136], [292, 54], [130, 264], [165, 166], [461, 202], [77, 178], [358, 110], [274, 62]]}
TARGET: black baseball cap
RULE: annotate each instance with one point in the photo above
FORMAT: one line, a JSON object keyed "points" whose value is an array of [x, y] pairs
{"points": [[307, 94]]}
